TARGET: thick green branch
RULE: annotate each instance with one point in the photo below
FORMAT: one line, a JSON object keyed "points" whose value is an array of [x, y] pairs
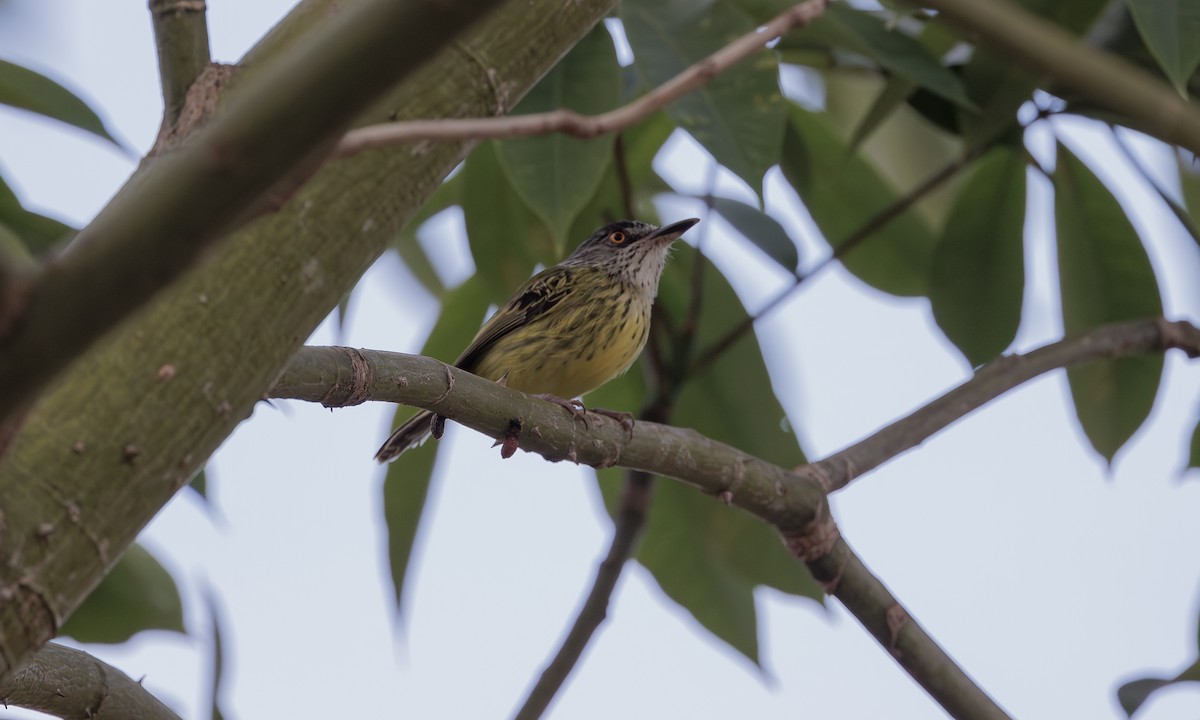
{"points": [[281, 120], [181, 37], [93, 457], [1148, 104], [72, 684]]}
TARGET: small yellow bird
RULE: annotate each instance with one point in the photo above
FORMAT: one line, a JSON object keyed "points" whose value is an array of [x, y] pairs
{"points": [[570, 328]]}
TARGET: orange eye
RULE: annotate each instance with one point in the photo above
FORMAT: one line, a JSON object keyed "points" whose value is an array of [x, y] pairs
{"points": [[617, 238]]}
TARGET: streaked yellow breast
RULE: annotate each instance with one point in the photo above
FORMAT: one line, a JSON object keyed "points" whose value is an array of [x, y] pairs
{"points": [[585, 341]]}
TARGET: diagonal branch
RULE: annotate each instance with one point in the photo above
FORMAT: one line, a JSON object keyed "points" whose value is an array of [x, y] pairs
{"points": [[1138, 337], [794, 502], [1149, 104], [585, 126], [184, 202]]}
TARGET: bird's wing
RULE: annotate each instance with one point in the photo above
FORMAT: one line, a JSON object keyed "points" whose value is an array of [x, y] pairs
{"points": [[541, 293]]}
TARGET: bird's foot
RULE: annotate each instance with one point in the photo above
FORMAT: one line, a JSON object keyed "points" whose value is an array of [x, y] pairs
{"points": [[575, 407], [626, 419]]}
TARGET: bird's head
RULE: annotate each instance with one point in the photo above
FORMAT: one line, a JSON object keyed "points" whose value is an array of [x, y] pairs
{"points": [[635, 251]]}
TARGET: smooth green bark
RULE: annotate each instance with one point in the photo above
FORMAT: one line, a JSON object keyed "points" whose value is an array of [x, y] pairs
{"points": [[130, 422]]}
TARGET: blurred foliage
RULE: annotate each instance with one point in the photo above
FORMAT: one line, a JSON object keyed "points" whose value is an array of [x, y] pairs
{"points": [[137, 594], [896, 99], [909, 159]]}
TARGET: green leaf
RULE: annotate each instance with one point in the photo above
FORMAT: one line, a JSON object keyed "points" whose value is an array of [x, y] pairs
{"points": [[1189, 182], [1105, 276], [893, 95], [406, 484], [137, 594], [1132, 695], [739, 115], [407, 244], [841, 191], [1170, 29], [199, 484], [556, 174], [37, 233], [706, 556], [978, 274], [1194, 455], [23, 88], [507, 239], [761, 229], [892, 49], [637, 148]]}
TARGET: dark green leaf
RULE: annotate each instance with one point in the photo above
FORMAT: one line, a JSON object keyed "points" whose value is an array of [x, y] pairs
{"points": [[761, 229], [1105, 276], [739, 116], [892, 49], [25, 89], [199, 484], [894, 94], [407, 482], [1170, 29], [1189, 181], [14, 256], [1194, 454], [1132, 695], [37, 233], [706, 556], [556, 174], [979, 266], [841, 191], [137, 594], [507, 239], [447, 195], [617, 199]]}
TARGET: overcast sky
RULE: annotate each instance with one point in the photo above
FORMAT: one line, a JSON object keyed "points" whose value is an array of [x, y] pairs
{"points": [[1047, 575]]}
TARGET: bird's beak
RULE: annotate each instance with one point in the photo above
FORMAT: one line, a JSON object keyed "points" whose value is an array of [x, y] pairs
{"points": [[668, 233]]}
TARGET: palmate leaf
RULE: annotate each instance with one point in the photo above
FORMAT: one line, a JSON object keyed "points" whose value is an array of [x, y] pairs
{"points": [[1170, 29], [706, 556], [978, 274], [739, 115], [841, 191], [137, 594], [556, 174], [1105, 276], [406, 484]]}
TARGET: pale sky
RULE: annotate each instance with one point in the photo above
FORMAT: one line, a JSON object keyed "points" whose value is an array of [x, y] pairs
{"points": [[1048, 576]]}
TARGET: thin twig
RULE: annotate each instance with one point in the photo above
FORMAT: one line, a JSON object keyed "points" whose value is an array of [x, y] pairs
{"points": [[863, 233], [584, 126], [1138, 337], [631, 518]]}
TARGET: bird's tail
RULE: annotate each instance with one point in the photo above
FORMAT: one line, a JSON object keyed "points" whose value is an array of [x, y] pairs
{"points": [[408, 435]]}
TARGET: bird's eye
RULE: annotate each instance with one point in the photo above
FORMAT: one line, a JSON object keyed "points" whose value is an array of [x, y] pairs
{"points": [[617, 238]]}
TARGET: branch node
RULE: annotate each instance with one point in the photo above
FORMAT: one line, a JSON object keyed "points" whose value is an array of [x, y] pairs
{"points": [[896, 617], [512, 438], [815, 540]]}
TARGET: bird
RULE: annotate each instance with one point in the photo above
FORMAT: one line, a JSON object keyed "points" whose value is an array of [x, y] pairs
{"points": [[571, 327]]}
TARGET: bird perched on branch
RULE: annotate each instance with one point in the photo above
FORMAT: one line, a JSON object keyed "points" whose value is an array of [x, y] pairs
{"points": [[570, 328]]}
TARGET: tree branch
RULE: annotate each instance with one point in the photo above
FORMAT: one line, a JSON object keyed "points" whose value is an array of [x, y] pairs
{"points": [[631, 518], [181, 36], [794, 502], [1151, 105], [149, 234], [93, 457], [1138, 337], [585, 126], [68, 683]]}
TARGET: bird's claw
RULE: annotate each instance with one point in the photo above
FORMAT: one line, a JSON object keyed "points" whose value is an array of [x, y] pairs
{"points": [[626, 419], [575, 407]]}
